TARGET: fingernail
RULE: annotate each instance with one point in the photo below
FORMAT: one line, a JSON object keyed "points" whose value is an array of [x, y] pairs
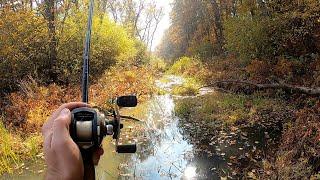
{"points": [[65, 111]]}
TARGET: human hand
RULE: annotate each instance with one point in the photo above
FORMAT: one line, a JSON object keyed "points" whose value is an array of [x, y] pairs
{"points": [[62, 155]]}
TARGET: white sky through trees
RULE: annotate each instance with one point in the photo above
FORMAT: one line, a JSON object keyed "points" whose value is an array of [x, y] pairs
{"points": [[165, 22]]}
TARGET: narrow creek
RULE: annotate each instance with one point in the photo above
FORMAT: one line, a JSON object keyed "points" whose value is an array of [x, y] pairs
{"points": [[166, 148], [172, 148]]}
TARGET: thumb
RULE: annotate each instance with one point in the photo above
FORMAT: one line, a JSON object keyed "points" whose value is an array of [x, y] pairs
{"points": [[61, 125]]}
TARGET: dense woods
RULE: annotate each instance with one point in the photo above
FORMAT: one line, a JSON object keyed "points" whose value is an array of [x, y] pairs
{"points": [[248, 28], [45, 39]]}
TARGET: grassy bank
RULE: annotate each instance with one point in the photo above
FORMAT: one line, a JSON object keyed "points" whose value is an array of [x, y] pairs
{"points": [[242, 130], [228, 108], [14, 149], [194, 73]]}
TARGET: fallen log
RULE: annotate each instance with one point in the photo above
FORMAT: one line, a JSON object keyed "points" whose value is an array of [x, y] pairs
{"points": [[283, 86]]}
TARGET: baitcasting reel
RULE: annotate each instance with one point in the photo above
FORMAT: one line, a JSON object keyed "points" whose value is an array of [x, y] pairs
{"points": [[89, 126]]}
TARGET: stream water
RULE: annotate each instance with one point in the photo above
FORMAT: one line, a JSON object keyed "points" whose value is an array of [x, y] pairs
{"points": [[165, 148], [164, 152]]}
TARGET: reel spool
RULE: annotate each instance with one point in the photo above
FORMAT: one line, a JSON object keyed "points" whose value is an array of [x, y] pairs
{"points": [[89, 126]]}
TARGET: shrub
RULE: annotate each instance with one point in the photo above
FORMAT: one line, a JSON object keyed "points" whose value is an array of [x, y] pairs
{"points": [[248, 37], [189, 67], [158, 64], [24, 47], [292, 30], [189, 87], [29, 108], [110, 44], [120, 81], [224, 69], [298, 156], [259, 70]]}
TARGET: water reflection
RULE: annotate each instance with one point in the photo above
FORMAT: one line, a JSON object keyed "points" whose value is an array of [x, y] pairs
{"points": [[166, 148], [164, 152], [190, 172], [172, 148]]}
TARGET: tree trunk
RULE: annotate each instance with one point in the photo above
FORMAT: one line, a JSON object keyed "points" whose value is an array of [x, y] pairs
{"points": [[263, 7], [52, 53], [234, 8], [218, 25]]}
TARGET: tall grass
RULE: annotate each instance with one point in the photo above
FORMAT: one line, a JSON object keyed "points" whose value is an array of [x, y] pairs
{"points": [[14, 149], [8, 153]]}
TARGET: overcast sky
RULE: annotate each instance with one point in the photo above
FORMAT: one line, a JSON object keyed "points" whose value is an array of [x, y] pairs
{"points": [[165, 22]]}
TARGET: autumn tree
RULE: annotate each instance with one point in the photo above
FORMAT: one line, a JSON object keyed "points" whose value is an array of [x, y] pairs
{"points": [[248, 28], [141, 18], [47, 44]]}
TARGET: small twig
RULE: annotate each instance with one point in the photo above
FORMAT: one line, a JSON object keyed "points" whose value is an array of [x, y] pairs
{"points": [[127, 117], [176, 167], [109, 174]]}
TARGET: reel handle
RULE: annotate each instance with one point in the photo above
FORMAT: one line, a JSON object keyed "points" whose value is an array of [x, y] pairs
{"points": [[127, 148], [127, 101]]}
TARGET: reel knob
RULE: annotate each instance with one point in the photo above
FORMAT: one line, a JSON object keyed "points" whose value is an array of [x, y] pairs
{"points": [[127, 101], [128, 148], [109, 130]]}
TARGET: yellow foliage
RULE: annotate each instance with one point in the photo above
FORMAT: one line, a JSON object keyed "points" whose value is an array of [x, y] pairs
{"points": [[189, 67], [14, 149], [189, 87], [8, 154], [123, 81], [23, 38], [38, 114]]}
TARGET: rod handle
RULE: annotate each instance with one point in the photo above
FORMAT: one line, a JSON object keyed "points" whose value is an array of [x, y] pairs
{"points": [[89, 169]]}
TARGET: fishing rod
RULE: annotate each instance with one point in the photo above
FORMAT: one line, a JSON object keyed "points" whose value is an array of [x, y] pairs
{"points": [[89, 126]]}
